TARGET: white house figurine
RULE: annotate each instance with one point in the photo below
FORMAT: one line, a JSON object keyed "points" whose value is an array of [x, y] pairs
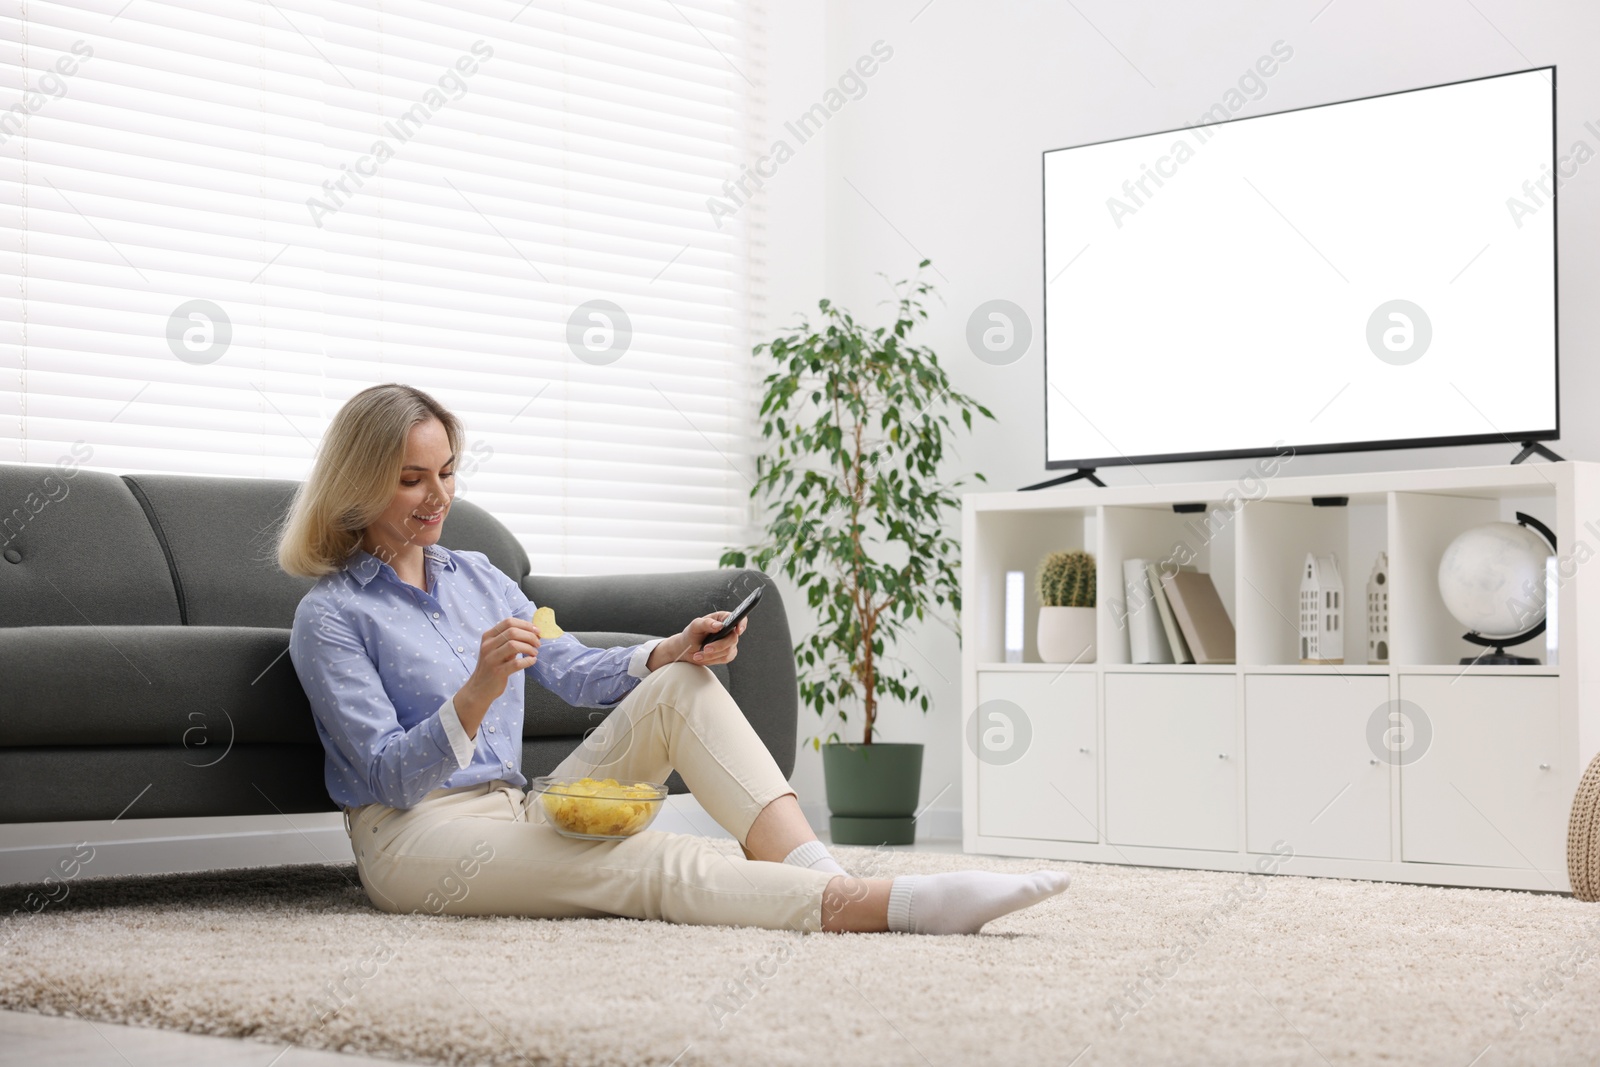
{"points": [[1321, 611], [1378, 611]]}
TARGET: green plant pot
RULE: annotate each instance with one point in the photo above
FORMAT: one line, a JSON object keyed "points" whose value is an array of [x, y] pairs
{"points": [[872, 792]]}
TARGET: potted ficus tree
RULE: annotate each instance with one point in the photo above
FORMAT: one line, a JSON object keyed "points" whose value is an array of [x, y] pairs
{"points": [[858, 514]]}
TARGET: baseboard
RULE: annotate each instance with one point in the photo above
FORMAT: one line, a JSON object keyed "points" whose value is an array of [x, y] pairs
{"points": [[175, 853]]}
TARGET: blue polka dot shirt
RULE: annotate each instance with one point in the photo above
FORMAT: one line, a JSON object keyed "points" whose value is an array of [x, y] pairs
{"points": [[381, 660]]}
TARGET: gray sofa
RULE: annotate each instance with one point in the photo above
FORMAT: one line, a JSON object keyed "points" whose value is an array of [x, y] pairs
{"points": [[144, 629]]}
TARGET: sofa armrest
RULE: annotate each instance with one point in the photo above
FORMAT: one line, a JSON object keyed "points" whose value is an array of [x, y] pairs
{"points": [[761, 677]]}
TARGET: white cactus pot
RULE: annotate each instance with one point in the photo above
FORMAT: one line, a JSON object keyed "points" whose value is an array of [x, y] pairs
{"points": [[1066, 635]]}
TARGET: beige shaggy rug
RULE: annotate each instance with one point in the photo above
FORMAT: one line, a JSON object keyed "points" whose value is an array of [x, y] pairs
{"points": [[1129, 966]]}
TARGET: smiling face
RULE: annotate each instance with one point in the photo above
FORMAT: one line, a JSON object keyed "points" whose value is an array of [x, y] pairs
{"points": [[425, 488]]}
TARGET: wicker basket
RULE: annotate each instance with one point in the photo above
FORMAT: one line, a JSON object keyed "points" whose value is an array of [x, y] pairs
{"points": [[1583, 836]]}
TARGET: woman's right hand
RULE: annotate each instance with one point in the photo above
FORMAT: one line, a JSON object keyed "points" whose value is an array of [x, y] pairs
{"points": [[510, 645]]}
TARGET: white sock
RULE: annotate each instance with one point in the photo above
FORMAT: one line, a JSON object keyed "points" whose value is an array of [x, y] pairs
{"points": [[814, 854], [960, 902]]}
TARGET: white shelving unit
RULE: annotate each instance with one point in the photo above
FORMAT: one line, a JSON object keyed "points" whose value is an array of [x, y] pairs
{"points": [[1215, 766]]}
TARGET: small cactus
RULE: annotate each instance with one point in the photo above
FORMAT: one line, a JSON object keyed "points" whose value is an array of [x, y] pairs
{"points": [[1066, 580]]}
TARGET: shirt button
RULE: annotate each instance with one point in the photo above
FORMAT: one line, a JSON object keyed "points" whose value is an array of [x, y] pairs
{"points": [[460, 649], [436, 614], [491, 729], [508, 763]]}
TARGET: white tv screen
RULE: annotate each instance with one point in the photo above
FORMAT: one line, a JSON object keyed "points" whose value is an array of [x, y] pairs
{"points": [[1375, 273]]}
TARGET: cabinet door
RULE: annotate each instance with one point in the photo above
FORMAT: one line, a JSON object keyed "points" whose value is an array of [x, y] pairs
{"points": [[1311, 779], [1484, 791], [1171, 765], [1050, 789]]}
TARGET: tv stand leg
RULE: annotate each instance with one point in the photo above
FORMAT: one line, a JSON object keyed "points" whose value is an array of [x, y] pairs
{"points": [[1534, 448], [1083, 472]]}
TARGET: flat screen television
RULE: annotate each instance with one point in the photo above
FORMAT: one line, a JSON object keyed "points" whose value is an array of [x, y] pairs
{"points": [[1376, 273]]}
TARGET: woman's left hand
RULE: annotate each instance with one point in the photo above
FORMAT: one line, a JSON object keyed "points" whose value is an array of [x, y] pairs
{"points": [[686, 646], [721, 651]]}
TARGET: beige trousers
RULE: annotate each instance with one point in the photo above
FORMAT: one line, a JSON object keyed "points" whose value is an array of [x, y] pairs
{"points": [[480, 849]]}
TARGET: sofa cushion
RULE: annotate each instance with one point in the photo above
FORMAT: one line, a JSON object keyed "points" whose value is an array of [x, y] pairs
{"points": [[199, 687], [218, 538], [76, 551]]}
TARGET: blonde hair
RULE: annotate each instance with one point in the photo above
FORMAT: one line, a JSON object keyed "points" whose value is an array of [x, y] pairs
{"points": [[353, 479]]}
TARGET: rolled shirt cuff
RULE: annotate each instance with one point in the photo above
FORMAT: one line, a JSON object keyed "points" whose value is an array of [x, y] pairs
{"points": [[461, 745], [639, 662]]}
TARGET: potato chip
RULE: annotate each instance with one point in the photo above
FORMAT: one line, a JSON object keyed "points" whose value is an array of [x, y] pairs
{"points": [[544, 620]]}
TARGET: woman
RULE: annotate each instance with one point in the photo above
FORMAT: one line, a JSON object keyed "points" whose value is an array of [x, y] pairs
{"points": [[412, 656]]}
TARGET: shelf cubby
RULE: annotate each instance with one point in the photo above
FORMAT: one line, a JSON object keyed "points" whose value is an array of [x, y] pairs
{"points": [[1274, 538], [1421, 526], [1204, 540], [1017, 541]]}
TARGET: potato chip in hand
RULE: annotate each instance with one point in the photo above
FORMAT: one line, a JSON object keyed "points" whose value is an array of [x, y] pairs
{"points": [[544, 620]]}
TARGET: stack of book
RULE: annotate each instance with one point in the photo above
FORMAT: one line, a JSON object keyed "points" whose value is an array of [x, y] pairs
{"points": [[1175, 615]]}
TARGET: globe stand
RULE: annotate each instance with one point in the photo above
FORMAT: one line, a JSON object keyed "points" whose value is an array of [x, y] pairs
{"points": [[1499, 658]]}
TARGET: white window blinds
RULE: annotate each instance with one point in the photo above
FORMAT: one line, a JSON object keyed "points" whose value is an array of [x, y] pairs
{"points": [[224, 217]]}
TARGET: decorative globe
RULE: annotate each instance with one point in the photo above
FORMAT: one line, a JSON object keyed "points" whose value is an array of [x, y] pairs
{"points": [[1492, 579]]}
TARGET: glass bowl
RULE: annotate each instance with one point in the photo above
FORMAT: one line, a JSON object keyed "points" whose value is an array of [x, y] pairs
{"points": [[596, 809]]}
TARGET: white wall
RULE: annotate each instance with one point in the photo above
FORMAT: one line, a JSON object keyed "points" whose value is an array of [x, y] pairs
{"points": [[944, 150]]}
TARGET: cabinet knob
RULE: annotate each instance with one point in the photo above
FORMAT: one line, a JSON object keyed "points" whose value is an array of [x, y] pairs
{"points": [[1084, 751], [1222, 755], [1544, 766], [1373, 761]]}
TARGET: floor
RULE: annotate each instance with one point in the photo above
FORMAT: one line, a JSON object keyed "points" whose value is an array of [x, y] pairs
{"points": [[51, 1041]]}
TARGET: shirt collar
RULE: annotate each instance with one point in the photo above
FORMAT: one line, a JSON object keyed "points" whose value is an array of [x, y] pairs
{"points": [[364, 566]]}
